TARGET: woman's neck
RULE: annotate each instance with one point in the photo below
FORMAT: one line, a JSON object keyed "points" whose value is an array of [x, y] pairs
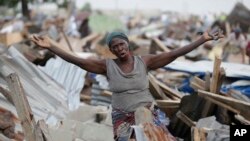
{"points": [[125, 60]]}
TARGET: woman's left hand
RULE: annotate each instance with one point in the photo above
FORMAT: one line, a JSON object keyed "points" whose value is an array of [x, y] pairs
{"points": [[208, 35]]}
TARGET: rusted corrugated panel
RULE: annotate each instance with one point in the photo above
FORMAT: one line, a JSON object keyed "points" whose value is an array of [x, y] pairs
{"points": [[150, 132], [156, 133]]}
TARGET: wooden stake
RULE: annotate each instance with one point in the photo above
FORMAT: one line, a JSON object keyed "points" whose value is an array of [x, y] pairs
{"points": [[22, 106]]}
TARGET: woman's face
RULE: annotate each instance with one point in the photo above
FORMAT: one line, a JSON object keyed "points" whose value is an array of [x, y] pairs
{"points": [[119, 47]]}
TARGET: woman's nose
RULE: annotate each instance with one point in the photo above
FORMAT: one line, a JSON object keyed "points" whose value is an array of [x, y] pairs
{"points": [[120, 48]]}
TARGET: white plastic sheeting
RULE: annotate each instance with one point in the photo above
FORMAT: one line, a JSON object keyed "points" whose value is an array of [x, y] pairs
{"points": [[231, 69], [70, 76]]}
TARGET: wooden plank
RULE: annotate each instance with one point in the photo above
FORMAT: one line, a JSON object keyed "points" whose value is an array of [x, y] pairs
{"points": [[170, 92], [222, 105], [215, 75], [185, 119], [196, 86], [203, 134], [199, 81], [238, 95], [155, 89], [208, 108], [236, 106], [207, 81], [156, 44], [85, 97], [168, 103], [222, 75], [106, 93], [160, 45], [242, 119], [43, 131], [22, 106], [195, 134]]}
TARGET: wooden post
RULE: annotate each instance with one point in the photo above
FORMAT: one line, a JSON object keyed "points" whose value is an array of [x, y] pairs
{"points": [[215, 75], [22, 106], [208, 108]]}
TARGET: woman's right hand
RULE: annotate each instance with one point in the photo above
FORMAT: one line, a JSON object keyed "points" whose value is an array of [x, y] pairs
{"points": [[42, 41]]}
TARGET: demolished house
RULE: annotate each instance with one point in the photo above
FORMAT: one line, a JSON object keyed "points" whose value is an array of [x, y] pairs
{"points": [[43, 97]]}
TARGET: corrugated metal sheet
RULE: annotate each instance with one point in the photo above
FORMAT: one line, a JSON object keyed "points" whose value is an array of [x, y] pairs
{"points": [[46, 98], [70, 76], [97, 98], [100, 84]]}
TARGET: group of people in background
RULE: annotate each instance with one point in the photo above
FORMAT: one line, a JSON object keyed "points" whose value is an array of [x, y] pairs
{"points": [[237, 42]]}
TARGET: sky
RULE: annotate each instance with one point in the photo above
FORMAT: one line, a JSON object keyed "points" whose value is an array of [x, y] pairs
{"points": [[183, 6]]}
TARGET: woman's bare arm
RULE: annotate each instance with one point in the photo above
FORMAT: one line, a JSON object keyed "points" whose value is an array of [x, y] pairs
{"points": [[90, 65], [160, 60]]}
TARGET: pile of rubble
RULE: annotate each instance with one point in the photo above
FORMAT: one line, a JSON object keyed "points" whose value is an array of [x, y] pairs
{"points": [[43, 97]]}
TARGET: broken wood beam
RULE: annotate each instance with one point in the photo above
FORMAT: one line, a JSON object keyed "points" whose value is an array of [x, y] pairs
{"points": [[168, 103], [242, 119], [106, 93], [185, 119], [160, 44], [207, 81], [157, 44], [196, 86], [236, 106], [42, 131], [215, 75], [209, 107], [195, 134], [168, 91], [198, 134], [22, 106], [199, 81], [221, 77], [155, 89]]}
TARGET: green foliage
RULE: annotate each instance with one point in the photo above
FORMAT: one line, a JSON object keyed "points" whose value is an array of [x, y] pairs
{"points": [[104, 23]]}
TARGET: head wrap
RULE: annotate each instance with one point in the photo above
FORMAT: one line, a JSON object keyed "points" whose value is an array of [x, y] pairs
{"points": [[113, 35]]}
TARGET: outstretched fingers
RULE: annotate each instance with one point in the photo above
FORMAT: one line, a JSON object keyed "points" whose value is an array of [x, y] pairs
{"points": [[216, 34]]}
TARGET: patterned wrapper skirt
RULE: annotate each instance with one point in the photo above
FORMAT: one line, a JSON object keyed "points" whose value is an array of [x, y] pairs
{"points": [[123, 120]]}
